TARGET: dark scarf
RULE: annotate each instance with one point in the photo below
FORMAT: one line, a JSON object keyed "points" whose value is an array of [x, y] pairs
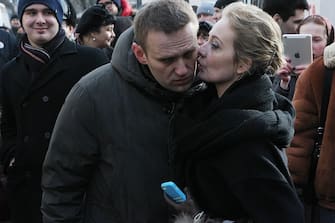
{"points": [[36, 58]]}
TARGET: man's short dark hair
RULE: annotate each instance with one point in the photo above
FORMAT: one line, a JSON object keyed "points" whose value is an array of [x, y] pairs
{"points": [[284, 8]]}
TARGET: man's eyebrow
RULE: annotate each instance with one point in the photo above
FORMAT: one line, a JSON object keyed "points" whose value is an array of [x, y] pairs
{"points": [[30, 10]]}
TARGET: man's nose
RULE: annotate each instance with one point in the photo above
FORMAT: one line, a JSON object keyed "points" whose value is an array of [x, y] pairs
{"points": [[40, 17], [181, 67]]}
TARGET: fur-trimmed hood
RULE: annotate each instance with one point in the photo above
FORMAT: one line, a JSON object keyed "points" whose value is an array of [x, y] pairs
{"points": [[329, 56]]}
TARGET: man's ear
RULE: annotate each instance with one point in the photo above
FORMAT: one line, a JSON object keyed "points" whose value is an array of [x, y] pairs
{"points": [[278, 19], [244, 66], [139, 53]]}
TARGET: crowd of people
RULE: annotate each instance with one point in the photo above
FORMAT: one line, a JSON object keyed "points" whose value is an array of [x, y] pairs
{"points": [[98, 111]]}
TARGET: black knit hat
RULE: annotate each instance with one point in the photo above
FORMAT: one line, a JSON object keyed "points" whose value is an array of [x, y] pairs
{"points": [[223, 3], [54, 5], [205, 25], [93, 18]]}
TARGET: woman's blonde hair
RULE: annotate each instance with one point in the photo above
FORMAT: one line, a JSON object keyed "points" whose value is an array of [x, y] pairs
{"points": [[257, 37]]}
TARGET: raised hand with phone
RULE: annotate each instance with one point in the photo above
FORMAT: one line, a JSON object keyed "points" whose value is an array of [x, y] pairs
{"points": [[298, 55], [180, 200]]}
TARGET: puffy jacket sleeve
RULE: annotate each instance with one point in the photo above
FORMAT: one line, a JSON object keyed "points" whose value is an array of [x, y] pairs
{"points": [[305, 101], [70, 160]]}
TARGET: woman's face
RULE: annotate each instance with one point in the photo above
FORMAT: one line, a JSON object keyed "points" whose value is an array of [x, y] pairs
{"points": [[105, 36], [319, 37], [216, 57]]}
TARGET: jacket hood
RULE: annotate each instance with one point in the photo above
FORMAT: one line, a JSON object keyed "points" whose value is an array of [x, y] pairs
{"points": [[139, 75]]}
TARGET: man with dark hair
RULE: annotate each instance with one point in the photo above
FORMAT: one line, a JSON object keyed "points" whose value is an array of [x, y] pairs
{"points": [[287, 13], [219, 6], [33, 89], [112, 145]]}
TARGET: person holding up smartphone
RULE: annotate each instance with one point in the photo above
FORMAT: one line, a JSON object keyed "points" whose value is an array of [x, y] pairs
{"points": [[288, 14], [322, 35]]}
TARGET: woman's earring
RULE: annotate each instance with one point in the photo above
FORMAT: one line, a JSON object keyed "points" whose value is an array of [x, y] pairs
{"points": [[93, 38]]}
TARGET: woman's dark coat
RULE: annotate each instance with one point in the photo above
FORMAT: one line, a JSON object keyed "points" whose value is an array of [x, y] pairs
{"points": [[231, 159]]}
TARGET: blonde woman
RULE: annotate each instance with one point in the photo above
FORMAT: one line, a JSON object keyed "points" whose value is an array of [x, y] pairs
{"points": [[230, 156]]}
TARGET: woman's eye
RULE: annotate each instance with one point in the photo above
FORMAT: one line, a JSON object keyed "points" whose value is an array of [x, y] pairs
{"points": [[214, 45]]}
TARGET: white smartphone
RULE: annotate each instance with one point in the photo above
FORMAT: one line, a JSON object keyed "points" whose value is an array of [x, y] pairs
{"points": [[298, 47]]}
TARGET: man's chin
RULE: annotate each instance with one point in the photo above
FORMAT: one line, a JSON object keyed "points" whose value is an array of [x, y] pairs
{"points": [[182, 88]]}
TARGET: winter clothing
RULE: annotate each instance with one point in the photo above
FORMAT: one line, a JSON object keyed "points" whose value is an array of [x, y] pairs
{"points": [[93, 19], [33, 90], [111, 144], [8, 47], [307, 102], [116, 2], [223, 3], [127, 9], [291, 86], [54, 5], [122, 23], [205, 8], [235, 169], [205, 26]]}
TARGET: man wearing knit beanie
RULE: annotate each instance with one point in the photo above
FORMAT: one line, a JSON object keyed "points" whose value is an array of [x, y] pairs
{"points": [[218, 7], [116, 8], [54, 5], [33, 88], [112, 6]]}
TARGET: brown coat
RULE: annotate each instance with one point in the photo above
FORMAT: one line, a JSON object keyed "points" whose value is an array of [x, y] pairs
{"points": [[307, 102]]}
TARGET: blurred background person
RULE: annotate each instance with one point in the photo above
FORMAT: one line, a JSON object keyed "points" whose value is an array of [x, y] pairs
{"points": [[219, 6], [112, 6], [95, 29], [288, 14], [308, 101], [322, 33], [117, 7], [8, 47], [121, 22], [16, 26], [203, 32], [69, 19], [205, 12]]}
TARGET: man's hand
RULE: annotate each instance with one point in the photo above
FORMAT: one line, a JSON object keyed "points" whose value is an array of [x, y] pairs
{"points": [[188, 207]]}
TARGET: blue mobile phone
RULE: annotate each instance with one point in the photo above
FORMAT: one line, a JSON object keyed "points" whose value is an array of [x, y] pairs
{"points": [[173, 192]]}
